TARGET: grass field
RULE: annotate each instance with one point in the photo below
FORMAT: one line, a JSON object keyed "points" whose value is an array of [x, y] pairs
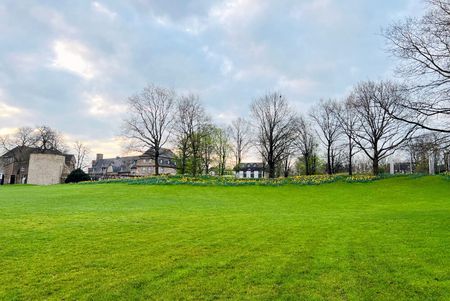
{"points": [[383, 240]]}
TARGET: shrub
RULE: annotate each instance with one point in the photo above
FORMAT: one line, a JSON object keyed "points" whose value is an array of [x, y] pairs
{"points": [[77, 175]]}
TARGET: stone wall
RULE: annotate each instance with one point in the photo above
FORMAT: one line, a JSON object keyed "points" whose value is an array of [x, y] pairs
{"points": [[45, 169]]}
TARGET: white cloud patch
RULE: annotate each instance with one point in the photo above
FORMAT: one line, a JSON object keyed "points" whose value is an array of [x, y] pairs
{"points": [[102, 9], [319, 11], [236, 12], [100, 107], [73, 56], [226, 65], [7, 110], [8, 131], [296, 86]]}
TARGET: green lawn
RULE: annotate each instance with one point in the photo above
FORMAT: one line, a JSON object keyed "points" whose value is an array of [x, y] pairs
{"points": [[384, 240]]}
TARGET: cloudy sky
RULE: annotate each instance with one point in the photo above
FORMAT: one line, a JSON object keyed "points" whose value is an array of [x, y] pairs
{"points": [[72, 64]]}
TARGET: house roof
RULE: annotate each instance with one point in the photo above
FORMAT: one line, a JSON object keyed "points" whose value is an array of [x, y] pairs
{"points": [[126, 164], [119, 164], [251, 166], [25, 151], [31, 150], [163, 153]]}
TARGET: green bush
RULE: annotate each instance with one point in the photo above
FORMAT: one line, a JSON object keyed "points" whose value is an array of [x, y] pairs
{"points": [[77, 175]]}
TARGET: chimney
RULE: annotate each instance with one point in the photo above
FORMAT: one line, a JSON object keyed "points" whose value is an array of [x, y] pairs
{"points": [[99, 157]]}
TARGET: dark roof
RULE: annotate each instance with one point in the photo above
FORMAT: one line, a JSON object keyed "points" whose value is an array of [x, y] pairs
{"points": [[252, 166], [26, 151], [119, 164], [31, 150], [163, 153]]}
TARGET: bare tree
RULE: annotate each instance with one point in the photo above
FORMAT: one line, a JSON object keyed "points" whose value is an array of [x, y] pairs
{"points": [[330, 130], [348, 120], [23, 136], [222, 149], [149, 120], [377, 132], [189, 125], [46, 139], [275, 124], [423, 46], [306, 143], [81, 154], [207, 138], [21, 139], [240, 132]]}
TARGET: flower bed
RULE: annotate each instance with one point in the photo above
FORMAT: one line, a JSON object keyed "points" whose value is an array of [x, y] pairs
{"points": [[361, 178], [223, 181]]}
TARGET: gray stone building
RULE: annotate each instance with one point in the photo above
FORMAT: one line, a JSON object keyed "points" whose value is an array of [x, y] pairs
{"points": [[133, 166], [28, 165]]}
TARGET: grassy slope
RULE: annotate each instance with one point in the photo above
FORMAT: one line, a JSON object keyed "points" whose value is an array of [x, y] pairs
{"points": [[384, 240]]}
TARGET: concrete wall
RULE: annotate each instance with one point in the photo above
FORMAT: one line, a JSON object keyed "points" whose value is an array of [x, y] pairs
{"points": [[45, 169]]}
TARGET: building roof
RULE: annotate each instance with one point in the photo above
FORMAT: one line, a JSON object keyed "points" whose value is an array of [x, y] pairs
{"points": [[163, 153], [25, 151], [30, 150], [119, 164], [251, 166], [126, 164]]}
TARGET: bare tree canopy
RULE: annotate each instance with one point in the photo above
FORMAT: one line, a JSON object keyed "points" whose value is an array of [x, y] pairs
{"points": [[306, 143], [326, 118], [149, 120], [348, 121], [81, 154], [275, 124], [24, 136], [189, 126], [46, 138], [43, 137], [423, 46], [222, 147], [377, 132], [240, 132]]}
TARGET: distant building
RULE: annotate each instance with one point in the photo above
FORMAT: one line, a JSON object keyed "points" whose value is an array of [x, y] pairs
{"points": [[28, 165], [133, 166], [255, 170]]}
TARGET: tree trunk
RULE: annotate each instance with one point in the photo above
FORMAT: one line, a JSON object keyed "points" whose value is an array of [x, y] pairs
{"points": [[271, 169], [307, 171], [350, 157], [350, 165], [183, 163], [329, 171], [156, 161], [222, 172], [375, 166]]}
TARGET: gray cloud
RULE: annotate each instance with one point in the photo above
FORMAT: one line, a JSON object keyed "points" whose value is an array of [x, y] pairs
{"points": [[72, 64]]}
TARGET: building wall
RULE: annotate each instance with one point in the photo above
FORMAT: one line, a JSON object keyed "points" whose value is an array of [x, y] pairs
{"points": [[18, 169], [45, 169]]}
